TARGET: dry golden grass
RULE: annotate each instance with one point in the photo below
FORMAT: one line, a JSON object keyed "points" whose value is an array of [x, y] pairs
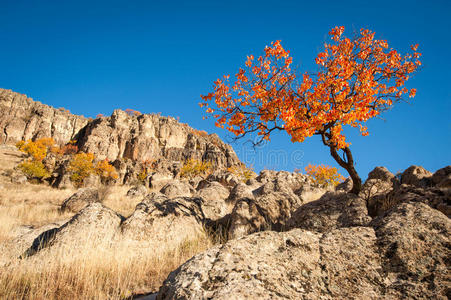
{"points": [[107, 271], [103, 272], [115, 198]]}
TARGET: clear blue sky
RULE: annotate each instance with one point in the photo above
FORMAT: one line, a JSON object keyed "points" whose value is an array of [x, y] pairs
{"points": [[159, 56]]}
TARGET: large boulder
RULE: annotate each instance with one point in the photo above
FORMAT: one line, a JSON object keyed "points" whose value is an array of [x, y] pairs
{"points": [[333, 210], [414, 242], [158, 219], [214, 204], [380, 182], [437, 198], [240, 191], [405, 254], [177, 188], [417, 176], [293, 180], [159, 180], [80, 199], [381, 173], [92, 226], [226, 178], [288, 265], [442, 177]]}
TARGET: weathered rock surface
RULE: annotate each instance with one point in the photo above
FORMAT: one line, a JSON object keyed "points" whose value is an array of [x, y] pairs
{"points": [[149, 137], [158, 219], [414, 242], [417, 176], [214, 204], [290, 265], [442, 177], [405, 256], [137, 191], [333, 210], [177, 188], [23, 119], [80, 199]]}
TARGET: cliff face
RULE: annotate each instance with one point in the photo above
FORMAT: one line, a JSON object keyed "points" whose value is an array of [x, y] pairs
{"points": [[21, 118], [138, 138]]}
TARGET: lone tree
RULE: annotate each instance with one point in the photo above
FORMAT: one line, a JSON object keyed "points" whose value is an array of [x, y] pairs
{"points": [[357, 80]]}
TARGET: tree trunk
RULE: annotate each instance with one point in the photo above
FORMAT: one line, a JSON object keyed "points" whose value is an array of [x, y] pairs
{"points": [[348, 165]]}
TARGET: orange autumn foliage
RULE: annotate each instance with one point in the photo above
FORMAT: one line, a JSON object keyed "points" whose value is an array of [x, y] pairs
{"points": [[105, 170], [357, 79]]}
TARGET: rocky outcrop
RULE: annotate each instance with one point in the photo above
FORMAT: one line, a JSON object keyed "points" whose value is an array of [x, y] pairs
{"points": [[125, 140], [413, 240], [149, 137], [417, 176], [23, 119], [92, 225], [331, 211], [158, 219], [442, 177], [402, 255], [177, 188]]}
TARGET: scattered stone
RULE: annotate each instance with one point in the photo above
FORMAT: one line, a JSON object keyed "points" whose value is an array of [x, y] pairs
{"points": [[80, 199], [177, 188]]}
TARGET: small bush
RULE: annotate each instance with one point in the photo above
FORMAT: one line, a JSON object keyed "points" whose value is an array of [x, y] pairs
{"points": [[324, 175], [81, 167], [34, 169], [195, 167], [105, 170], [242, 172]]}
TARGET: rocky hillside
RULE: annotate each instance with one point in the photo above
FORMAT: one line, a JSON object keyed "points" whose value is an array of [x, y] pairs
{"points": [[120, 136]]}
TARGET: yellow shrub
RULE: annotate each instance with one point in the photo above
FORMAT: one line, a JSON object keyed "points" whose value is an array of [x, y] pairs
{"points": [[324, 175], [81, 167], [142, 176], [37, 149], [242, 172], [195, 167], [105, 170], [34, 169]]}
